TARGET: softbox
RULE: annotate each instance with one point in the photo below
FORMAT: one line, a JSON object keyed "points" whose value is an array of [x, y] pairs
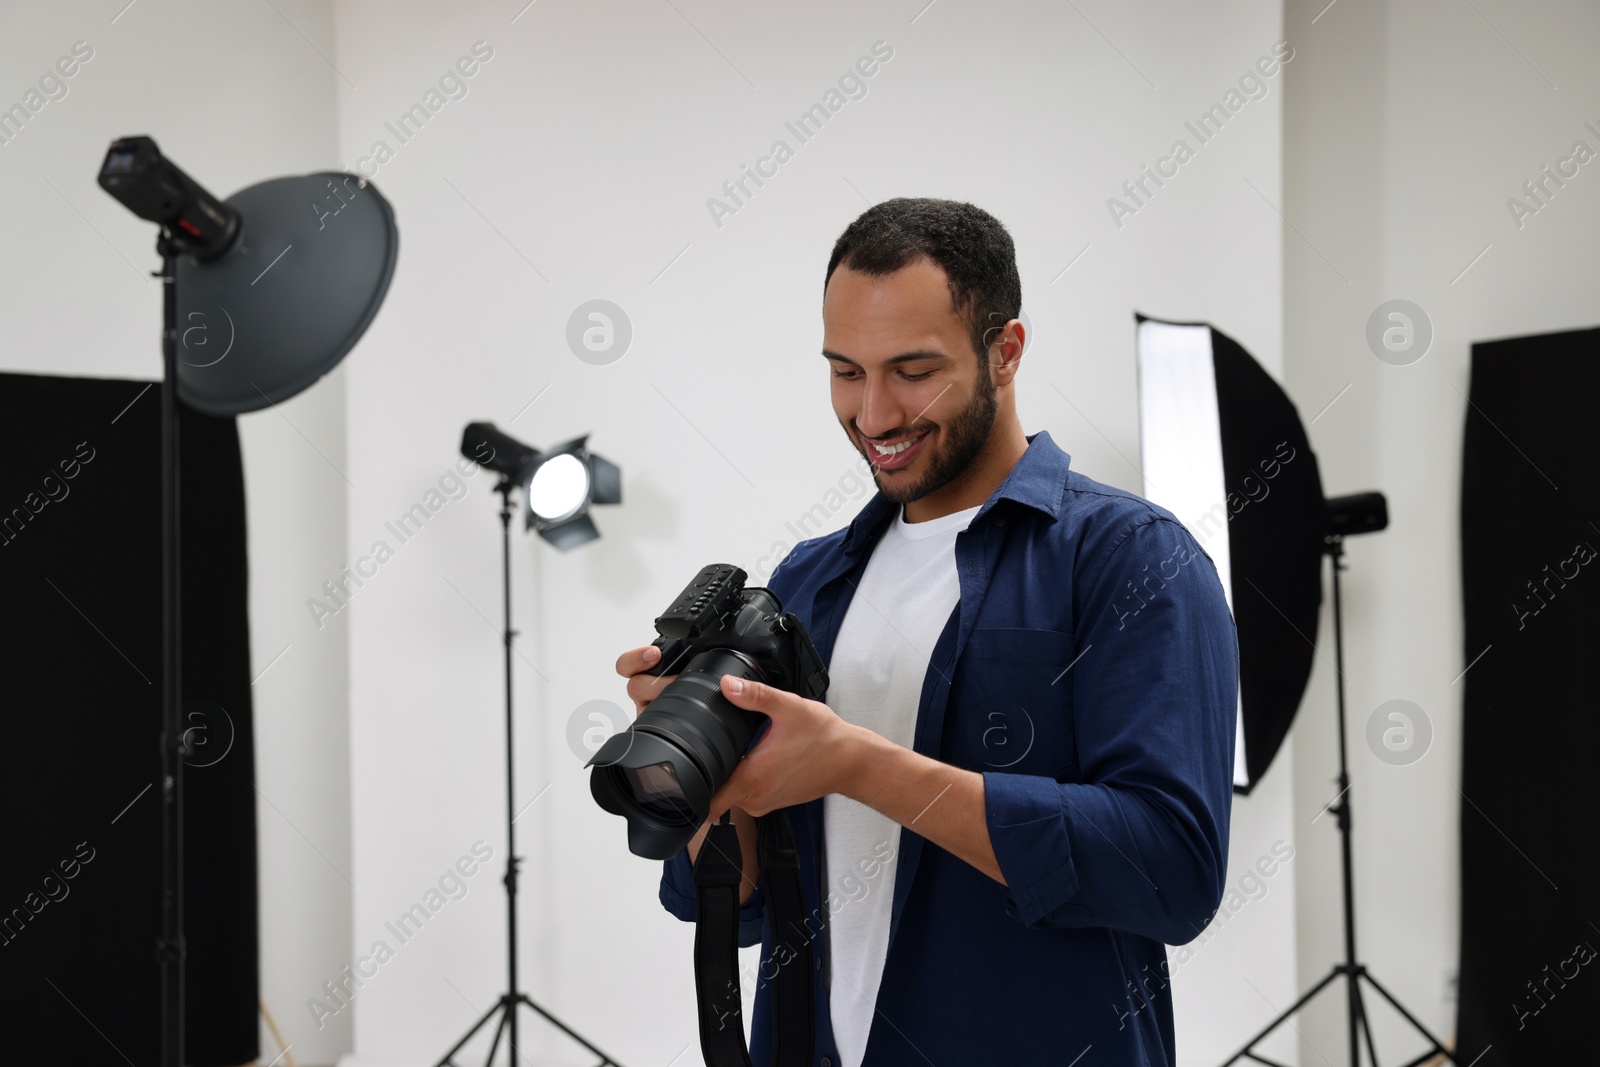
{"points": [[1224, 450]]}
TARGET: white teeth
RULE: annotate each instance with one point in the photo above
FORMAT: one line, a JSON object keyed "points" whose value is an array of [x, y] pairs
{"points": [[901, 447]]}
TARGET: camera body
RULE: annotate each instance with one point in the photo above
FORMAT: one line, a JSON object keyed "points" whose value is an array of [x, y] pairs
{"points": [[717, 611], [661, 772]]}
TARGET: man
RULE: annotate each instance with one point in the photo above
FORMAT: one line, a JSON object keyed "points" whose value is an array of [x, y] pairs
{"points": [[1018, 788]]}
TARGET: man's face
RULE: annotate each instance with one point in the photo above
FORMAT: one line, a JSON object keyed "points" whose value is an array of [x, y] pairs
{"points": [[904, 377]]}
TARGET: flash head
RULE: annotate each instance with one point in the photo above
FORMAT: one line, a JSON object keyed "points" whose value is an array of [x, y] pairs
{"points": [[1357, 513], [493, 450], [154, 188]]}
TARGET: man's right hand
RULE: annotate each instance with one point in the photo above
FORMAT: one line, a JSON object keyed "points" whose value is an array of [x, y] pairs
{"points": [[642, 689]]}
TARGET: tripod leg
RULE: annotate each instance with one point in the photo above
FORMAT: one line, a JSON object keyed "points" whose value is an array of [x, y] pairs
{"points": [[500, 1030], [1366, 1024], [470, 1034], [1353, 1016], [1282, 1018], [1438, 1047], [605, 1060]]}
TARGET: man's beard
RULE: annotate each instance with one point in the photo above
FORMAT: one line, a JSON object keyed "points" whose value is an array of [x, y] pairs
{"points": [[960, 441]]}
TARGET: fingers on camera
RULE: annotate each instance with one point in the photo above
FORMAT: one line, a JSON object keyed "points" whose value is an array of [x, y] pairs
{"points": [[632, 662]]}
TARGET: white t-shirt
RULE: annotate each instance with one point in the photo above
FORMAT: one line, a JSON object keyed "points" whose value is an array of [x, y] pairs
{"points": [[879, 661]]}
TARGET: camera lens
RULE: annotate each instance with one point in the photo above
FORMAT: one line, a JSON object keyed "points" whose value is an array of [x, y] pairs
{"points": [[661, 772]]}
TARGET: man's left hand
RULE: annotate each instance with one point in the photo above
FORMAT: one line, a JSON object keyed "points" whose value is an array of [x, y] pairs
{"points": [[805, 753]]}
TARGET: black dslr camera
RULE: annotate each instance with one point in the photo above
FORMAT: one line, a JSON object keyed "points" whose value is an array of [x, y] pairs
{"points": [[661, 772]]}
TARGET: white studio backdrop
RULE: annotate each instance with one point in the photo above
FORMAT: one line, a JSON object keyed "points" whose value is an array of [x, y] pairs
{"points": [[574, 163]]}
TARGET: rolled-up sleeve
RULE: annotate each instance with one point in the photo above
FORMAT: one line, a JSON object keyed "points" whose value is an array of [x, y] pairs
{"points": [[678, 897], [1138, 841]]}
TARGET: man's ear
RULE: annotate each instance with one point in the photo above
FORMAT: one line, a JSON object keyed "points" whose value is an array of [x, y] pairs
{"points": [[1004, 356]]}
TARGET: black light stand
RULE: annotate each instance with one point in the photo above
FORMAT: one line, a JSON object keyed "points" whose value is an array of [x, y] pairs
{"points": [[170, 949], [1352, 969], [508, 1003], [283, 337]]}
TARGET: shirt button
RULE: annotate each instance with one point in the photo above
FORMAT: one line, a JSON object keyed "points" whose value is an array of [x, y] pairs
{"points": [[819, 963], [826, 1062], [1000, 520]]}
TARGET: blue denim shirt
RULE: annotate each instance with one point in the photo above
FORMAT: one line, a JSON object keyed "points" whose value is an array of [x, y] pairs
{"points": [[1090, 673]]}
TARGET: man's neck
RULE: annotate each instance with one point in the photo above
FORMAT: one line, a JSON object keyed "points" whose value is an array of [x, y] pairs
{"points": [[982, 477]]}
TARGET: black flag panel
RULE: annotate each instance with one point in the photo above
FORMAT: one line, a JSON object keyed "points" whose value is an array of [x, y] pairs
{"points": [[80, 579], [1530, 853]]}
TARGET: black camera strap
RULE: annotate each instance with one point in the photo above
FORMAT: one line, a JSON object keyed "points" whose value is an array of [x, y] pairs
{"points": [[717, 873]]}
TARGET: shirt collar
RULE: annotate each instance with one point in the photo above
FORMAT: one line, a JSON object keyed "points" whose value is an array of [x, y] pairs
{"points": [[1038, 480]]}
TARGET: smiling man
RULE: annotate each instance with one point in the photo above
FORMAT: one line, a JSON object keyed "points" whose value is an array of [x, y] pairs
{"points": [[1018, 787]]}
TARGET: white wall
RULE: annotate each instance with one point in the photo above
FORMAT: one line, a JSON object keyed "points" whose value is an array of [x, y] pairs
{"points": [[1409, 126], [234, 94], [578, 166]]}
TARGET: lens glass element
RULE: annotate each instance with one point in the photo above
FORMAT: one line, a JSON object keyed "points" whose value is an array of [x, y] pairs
{"points": [[655, 782]]}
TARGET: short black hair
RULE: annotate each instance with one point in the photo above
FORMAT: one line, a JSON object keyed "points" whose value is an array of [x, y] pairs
{"points": [[968, 244]]}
